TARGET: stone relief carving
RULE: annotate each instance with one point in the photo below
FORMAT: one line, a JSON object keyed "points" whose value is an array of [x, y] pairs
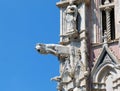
{"points": [[78, 71], [71, 66], [72, 71], [67, 73], [65, 80], [71, 16]]}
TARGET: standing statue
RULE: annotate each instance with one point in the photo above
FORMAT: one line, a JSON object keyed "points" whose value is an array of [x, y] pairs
{"points": [[65, 80], [71, 15]]}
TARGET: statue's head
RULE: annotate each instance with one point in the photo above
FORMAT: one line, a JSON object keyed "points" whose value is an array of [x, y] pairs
{"points": [[41, 48]]}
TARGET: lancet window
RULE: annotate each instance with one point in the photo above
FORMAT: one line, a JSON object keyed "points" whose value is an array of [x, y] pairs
{"points": [[107, 18]]}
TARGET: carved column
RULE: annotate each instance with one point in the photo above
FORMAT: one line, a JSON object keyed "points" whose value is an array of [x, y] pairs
{"points": [[105, 38], [84, 59], [108, 22]]}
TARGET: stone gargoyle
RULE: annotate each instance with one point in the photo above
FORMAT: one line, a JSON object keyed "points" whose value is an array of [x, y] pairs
{"points": [[54, 49]]}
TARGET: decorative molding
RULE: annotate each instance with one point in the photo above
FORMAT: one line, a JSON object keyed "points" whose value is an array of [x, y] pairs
{"points": [[102, 7], [66, 3]]}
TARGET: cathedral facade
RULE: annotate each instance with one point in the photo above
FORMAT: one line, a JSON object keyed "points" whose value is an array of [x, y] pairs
{"points": [[89, 48]]}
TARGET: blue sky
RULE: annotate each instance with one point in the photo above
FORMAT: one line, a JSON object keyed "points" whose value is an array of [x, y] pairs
{"points": [[23, 23]]}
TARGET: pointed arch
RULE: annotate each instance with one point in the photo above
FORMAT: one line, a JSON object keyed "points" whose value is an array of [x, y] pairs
{"points": [[106, 73], [103, 71]]}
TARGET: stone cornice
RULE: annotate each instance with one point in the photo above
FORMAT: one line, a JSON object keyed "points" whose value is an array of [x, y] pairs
{"points": [[65, 3], [100, 44]]}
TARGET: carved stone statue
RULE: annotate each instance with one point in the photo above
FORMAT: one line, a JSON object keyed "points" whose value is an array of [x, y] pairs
{"points": [[67, 78], [46, 48], [71, 15], [71, 69], [78, 73], [66, 75], [54, 49]]}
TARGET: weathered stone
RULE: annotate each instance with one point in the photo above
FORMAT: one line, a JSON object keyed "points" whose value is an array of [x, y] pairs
{"points": [[89, 46]]}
